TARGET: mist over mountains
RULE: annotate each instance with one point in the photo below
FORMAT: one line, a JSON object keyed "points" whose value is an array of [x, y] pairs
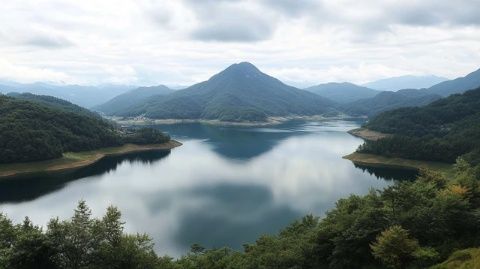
{"points": [[242, 92], [404, 82]]}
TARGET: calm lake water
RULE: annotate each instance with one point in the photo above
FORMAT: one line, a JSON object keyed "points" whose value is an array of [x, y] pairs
{"points": [[224, 187]]}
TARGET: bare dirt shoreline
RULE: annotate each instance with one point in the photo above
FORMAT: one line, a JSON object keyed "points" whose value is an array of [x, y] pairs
{"points": [[75, 160], [367, 134], [270, 120]]}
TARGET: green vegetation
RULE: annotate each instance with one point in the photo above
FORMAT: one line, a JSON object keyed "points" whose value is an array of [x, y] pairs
{"points": [[462, 259], [342, 92], [385, 101], [74, 160], [131, 98], [458, 85], [414, 224], [441, 131], [239, 93], [36, 128], [373, 160]]}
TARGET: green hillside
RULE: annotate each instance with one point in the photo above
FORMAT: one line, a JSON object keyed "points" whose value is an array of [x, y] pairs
{"points": [[458, 85], [342, 92], [239, 93], [131, 98], [385, 101], [440, 131], [34, 128]]}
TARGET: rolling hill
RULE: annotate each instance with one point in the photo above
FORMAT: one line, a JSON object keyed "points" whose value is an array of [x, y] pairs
{"points": [[404, 82], [342, 92], [131, 98], [35, 128], [441, 131], [458, 85], [239, 93], [86, 96], [387, 101], [53, 102]]}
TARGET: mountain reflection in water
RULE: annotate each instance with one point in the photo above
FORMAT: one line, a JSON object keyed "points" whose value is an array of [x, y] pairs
{"points": [[224, 187]]}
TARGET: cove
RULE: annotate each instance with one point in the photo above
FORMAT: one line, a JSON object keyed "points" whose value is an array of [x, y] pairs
{"points": [[225, 186]]}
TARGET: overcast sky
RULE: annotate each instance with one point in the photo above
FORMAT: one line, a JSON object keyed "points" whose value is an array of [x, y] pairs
{"points": [[180, 42]]}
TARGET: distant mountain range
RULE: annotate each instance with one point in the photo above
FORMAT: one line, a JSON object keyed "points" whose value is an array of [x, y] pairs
{"points": [[342, 92], [458, 85], [86, 96], [387, 101], [242, 92], [404, 82], [239, 93], [412, 97], [131, 98]]}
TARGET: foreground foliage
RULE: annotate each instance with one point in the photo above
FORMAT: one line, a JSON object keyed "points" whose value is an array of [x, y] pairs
{"points": [[408, 225], [441, 131], [462, 259]]}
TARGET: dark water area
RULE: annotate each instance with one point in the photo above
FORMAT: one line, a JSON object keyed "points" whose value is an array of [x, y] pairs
{"points": [[224, 187]]}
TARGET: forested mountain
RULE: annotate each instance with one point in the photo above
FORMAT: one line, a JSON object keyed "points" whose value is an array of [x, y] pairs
{"points": [[240, 92], [458, 85], [342, 92], [389, 100], [53, 102], [131, 98], [34, 128], [404, 82], [86, 96], [440, 131]]}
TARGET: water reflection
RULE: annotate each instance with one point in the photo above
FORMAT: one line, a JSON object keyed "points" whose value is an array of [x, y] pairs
{"points": [[247, 143], [224, 187], [247, 208], [32, 187], [389, 173]]}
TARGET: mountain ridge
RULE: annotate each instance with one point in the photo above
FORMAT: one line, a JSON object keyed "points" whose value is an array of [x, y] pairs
{"points": [[241, 92], [342, 92]]}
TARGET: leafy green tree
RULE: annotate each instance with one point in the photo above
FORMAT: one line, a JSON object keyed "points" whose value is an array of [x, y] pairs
{"points": [[394, 247]]}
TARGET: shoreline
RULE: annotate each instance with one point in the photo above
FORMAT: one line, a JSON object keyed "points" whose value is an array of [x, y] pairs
{"points": [[71, 161], [373, 160], [368, 134], [139, 121]]}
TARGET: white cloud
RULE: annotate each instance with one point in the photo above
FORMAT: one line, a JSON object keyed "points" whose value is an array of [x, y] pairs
{"points": [[182, 42]]}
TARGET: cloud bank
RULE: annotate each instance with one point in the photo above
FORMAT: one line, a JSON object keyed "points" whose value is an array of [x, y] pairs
{"points": [[302, 42]]}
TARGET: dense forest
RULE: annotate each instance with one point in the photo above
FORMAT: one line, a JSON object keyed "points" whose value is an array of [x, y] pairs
{"points": [[441, 131], [412, 224], [34, 128]]}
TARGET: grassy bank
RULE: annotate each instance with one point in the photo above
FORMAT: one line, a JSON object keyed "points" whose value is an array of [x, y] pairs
{"points": [[76, 160], [381, 161]]}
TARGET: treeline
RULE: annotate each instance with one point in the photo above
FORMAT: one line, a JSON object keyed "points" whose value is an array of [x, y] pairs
{"points": [[34, 128], [408, 225], [441, 131]]}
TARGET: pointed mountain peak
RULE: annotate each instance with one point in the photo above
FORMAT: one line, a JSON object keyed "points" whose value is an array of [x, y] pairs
{"points": [[243, 68]]}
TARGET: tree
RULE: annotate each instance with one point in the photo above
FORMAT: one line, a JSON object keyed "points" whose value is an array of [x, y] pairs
{"points": [[394, 247]]}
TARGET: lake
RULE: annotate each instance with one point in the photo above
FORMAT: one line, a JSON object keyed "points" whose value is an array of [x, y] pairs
{"points": [[224, 187]]}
